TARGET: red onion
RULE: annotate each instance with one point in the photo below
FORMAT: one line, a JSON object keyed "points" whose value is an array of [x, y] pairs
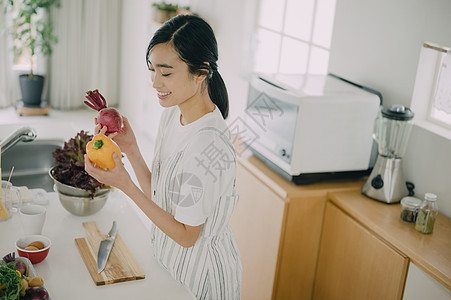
{"points": [[21, 266], [36, 293], [108, 116]]}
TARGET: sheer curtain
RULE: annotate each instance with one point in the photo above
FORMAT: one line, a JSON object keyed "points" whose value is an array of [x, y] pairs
{"points": [[86, 56], [6, 91]]}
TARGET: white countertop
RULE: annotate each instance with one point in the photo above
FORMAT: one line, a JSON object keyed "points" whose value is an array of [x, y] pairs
{"points": [[64, 272], [65, 124]]}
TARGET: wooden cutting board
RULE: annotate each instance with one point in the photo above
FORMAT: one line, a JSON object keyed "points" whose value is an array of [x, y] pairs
{"points": [[121, 265]]}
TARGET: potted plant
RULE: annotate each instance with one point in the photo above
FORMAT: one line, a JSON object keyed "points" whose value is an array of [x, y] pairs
{"points": [[32, 32], [164, 11]]}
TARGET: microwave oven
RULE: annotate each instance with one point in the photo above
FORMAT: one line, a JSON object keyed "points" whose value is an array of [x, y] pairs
{"points": [[312, 127]]}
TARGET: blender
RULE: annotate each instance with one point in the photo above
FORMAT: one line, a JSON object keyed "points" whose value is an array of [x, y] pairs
{"points": [[391, 131]]}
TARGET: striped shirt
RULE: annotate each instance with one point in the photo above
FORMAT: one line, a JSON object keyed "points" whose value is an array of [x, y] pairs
{"points": [[193, 178]]}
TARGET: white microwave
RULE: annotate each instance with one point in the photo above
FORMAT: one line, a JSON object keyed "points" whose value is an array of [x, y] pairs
{"points": [[311, 127]]}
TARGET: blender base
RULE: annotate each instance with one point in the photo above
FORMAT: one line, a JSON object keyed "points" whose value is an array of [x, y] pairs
{"points": [[386, 182]]}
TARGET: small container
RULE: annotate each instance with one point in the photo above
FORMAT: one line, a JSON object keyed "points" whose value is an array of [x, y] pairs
{"points": [[35, 256], [410, 206], [427, 213]]}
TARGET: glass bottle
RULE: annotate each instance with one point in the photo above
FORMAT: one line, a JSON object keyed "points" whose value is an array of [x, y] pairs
{"points": [[427, 213], [410, 206]]}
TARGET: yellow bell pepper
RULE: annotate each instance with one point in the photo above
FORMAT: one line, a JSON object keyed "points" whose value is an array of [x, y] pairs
{"points": [[100, 151]]}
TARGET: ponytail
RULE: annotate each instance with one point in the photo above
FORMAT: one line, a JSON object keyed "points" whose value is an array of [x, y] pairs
{"points": [[218, 93], [196, 45]]}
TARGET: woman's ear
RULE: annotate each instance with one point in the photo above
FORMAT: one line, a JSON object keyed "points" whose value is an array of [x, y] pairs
{"points": [[203, 72], [201, 76]]}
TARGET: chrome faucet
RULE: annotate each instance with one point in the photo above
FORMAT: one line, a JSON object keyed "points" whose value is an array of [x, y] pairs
{"points": [[24, 134]]}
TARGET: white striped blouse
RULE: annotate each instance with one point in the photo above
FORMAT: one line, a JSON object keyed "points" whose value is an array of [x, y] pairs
{"points": [[196, 189]]}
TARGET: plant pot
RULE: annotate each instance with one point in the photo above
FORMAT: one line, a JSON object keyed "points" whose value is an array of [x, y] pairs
{"points": [[162, 16], [31, 88]]}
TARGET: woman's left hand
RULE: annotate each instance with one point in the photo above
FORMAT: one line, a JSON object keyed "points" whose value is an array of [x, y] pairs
{"points": [[117, 176], [125, 139]]}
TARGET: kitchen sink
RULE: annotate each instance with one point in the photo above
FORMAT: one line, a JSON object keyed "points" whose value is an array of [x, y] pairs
{"points": [[32, 162]]}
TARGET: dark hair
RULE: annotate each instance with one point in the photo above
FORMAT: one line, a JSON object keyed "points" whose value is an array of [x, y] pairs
{"points": [[196, 45]]}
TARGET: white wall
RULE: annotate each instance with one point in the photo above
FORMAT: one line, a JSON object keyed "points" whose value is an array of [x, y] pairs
{"points": [[232, 21], [138, 101], [378, 43], [375, 43]]}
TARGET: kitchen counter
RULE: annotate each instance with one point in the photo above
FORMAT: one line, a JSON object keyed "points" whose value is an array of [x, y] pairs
{"points": [[64, 272], [286, 189], [430, 252], [65, 124]]}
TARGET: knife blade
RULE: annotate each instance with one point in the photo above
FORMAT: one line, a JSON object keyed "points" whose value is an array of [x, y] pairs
{"points": [[105, 248]]}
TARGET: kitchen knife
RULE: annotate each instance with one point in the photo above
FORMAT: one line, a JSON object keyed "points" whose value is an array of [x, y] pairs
{"points": [[105, 248]]}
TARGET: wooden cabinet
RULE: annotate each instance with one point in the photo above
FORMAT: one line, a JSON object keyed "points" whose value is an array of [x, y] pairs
{"points": [[295, 246], [355, 264], [370, 228], [278, 229], [258, 224]]}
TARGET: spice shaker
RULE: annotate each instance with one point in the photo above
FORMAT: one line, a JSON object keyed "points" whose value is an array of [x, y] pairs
{"points": [[410, 206], [427, 213]]}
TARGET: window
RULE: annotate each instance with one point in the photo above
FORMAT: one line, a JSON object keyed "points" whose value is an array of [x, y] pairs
{"points": [[440, 104], [431, 99], [294, 36]]}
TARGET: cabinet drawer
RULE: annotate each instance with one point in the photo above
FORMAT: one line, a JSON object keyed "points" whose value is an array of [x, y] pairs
{"points": [[257, 222], [354, 263]]}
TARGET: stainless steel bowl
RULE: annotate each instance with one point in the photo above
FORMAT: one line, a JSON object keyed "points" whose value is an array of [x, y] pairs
{"points": [[73, 191], [78, 201], [82, 206]]}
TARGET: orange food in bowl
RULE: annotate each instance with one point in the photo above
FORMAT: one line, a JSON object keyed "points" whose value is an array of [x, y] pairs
{"points": [[37, 244], [31, 248], [26, 249]]}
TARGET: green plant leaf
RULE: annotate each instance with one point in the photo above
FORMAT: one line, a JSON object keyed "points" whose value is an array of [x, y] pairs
{"points": [[165, 6], [29, 32]]}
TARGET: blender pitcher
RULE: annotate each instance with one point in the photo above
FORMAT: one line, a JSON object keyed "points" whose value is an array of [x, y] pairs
{"points": [[392, 130]]}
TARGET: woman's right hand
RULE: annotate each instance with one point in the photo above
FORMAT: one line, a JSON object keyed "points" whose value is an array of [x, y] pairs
{"points": [[125, 139], [117, 176]]}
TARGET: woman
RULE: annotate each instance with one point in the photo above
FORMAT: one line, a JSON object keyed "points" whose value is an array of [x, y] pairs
{"points": [[189, 195]]}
